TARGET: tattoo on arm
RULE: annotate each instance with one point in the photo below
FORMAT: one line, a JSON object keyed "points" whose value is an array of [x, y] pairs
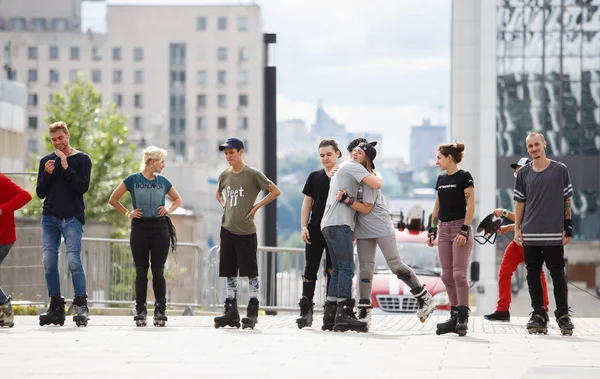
{"points": [[568, 208], [434, 222]]}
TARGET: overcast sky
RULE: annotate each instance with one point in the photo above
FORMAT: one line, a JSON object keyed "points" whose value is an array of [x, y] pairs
{"points": [[377, 65]]}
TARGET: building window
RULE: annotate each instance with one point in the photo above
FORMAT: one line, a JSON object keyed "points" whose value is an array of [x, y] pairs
{"points": [[222, 77], [32, 75], [177, 53], [17, 24], [182, 125], [181, 150], [32, 146], [53, 53], [242, 123], [51, 98], [243, 23], [60, 24], [182, 103], [118, 99], [222, 101], [32, 53], [137, 100], [33, 122], [242, 54], [222, 53], [243, 100], [222, 23], [74, 53], [243, 77], [116, 54], [201, 77], [96, 56], [32, 99], [54, 76], [38, 24], [138, 123], [200, 101], [96, 76], [117, 76], [222, 123], [73, 75], [138, 54], [139, 77], [173, 126], [201, 23], [201, 123]]}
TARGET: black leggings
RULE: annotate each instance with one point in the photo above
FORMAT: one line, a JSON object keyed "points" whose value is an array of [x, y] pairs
{"points": [[149, 241]]}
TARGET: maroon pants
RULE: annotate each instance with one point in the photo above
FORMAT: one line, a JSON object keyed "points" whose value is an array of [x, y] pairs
{"points": [[455, 261]]}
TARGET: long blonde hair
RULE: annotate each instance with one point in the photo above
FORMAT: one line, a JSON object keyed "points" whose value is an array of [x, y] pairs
{"points": [[153, 153]]}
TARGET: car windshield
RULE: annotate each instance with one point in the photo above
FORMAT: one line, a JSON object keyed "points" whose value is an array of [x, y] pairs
{"points": [[422, 258]]}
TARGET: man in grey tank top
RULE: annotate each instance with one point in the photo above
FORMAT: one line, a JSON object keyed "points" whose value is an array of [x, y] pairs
{"points": [[543, 225]]}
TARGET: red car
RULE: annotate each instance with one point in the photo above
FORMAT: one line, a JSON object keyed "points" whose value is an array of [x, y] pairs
{"points": [[390, 294]]}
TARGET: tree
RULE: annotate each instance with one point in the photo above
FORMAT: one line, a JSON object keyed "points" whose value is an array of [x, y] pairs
{"points": [[101, 132]]}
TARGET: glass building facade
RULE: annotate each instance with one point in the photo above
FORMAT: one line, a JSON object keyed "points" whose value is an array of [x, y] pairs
{"points": [[548, 80]]}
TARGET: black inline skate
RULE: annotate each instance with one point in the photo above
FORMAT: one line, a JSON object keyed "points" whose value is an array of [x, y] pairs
{"points": [[306, 312], [55, 313], [80, 318], [251, 318], [230, 317]]}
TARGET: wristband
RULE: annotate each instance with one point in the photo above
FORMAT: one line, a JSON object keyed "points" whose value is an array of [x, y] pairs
{"points": [[464, 228], [568, 227], [344, 197], [504, 213], [304, 227], [127, 213], [464, 233], [350, 202]]}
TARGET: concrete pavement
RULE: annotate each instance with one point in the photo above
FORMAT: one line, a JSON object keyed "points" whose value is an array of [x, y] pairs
{"points": [[396, 346]]}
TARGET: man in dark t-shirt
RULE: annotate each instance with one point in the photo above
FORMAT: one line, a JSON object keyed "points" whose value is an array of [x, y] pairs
{"points": [[315, 193], [63, 178], [543, 225]]}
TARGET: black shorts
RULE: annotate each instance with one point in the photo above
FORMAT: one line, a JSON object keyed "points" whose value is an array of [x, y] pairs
{"points": [[314, 252], [237, 253]]}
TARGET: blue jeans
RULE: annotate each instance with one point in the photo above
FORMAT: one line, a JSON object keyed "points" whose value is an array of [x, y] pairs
{"points": [[72, 232], [339, 243], [4, 249]]}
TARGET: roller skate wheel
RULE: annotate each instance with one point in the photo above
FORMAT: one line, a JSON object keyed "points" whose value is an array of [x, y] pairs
{"points": [[438, 332], [61, 323], [42, 323], [462, 333], [567, 332]]}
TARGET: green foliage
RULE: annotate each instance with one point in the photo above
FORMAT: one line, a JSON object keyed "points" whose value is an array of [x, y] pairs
{"points": [[101, 132]]}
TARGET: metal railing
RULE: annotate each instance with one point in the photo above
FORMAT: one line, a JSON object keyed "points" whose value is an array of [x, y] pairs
{"points": [[285, 277], [192, 277]]}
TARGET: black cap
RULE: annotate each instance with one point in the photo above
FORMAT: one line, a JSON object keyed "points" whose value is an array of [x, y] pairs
{"points": [[232, 143], [355, 142], [369, 151], [522, 162]]}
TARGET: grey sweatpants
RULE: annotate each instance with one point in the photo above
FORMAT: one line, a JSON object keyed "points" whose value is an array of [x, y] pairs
{"points": [[366, 259]]}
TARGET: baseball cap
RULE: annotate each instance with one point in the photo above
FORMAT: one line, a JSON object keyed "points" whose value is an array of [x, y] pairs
{"points": [[355, 142], [522, 162], [232, 143], [369, 151]]}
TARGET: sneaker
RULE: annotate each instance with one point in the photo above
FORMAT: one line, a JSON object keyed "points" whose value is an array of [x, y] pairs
{"points": [[498, 316]]}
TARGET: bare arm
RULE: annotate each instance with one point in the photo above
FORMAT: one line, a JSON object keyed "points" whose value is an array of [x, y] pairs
{"points": [[273, 193], [568, 208], [174, 195], [375, 182], [116, 196], [359, 207], [519, 210], [220, 199], [305, 211], [470, 198], [434, 213]]}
